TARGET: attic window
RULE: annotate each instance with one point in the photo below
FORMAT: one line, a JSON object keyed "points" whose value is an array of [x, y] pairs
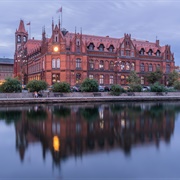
{"points": [[150, 52], [141, 51], [158, 53], [91, 46], [101, 47], [111, 48]]}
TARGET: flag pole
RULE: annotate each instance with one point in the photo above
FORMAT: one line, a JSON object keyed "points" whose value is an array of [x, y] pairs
{"points": [[61, 16], [30, 30]]}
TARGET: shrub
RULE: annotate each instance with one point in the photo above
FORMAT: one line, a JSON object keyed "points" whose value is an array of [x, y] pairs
{"points": [[116, 90], [135, 88], [61, 87], [36, 85], [89, 85], [156, 87], [11, 85], [176, 85]]}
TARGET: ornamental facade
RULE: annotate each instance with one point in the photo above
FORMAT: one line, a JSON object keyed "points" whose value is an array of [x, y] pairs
{"points": [[72, 57]]}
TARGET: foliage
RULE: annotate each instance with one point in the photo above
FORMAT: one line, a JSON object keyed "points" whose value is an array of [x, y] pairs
{"points": [[89, 85], [61, 111], [176, 85], [10, 116], [36, 85], [11, 85], [116, 90], [61, 87], [155, 76], [133, 78], [135, 87], [157, 87], [172, 77]]}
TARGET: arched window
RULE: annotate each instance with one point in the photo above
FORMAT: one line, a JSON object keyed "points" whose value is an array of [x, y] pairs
{"points": [[167, 68], [101, 47], [158, 66], [158, 53], [141, 52], [101, 65], [91, 76], [122, 80], [24, 38], [91, 64], [78, 63], [132, 66], [53, 63], [19, 38], [142, 67], [122, 66], [91, 46], [127, 66], [58, 63], [150, 52], [101, 79], [111, 79], [150, 67], [111, 48], [111, 65]]}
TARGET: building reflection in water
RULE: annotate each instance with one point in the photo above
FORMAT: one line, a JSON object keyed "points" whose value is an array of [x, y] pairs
{"points": [[74, 130]]}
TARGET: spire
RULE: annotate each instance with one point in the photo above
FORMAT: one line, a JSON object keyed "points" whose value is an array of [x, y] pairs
{"points": [[52, 24], [21, 27]]}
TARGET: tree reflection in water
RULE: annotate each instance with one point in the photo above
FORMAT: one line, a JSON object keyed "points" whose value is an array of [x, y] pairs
{"points": [[81, 129]]}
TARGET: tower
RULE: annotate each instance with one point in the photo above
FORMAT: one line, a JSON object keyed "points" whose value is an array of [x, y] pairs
{"points": [[21, 37]]}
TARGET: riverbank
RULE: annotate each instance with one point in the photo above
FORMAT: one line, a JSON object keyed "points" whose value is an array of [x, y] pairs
{"points": [[27, 98]]}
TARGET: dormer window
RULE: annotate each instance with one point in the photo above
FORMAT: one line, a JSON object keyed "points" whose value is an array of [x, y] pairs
{"points": [[91, 46], [158, 53], [111, 48], [150, 52], [141, 52], [101, 47]]}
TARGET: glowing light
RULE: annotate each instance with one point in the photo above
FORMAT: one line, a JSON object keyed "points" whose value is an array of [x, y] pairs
{"points": [[56, 49], [56, 143]]}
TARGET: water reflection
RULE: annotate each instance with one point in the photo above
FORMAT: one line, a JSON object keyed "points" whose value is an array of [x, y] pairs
{"points": [[74, 130]]}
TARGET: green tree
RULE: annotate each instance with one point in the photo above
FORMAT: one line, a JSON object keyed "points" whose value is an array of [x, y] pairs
{"points": [[116, 90], [172, 77], [89, 85], [176, 85], [134, 82], [36, 85], [155, 76], [61, 87], [157, 87], [11, 85]]}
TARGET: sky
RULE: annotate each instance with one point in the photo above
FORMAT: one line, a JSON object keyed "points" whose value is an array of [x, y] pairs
{"points": [[143, 19]]}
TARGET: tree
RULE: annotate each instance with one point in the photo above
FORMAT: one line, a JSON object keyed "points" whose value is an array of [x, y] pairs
{"points": [[176, 85], [61, 87], [36, 85], [172, 77], [155, 76], [157, 87], [11, 85], [89, 85], [134, 82], [116, 90]]}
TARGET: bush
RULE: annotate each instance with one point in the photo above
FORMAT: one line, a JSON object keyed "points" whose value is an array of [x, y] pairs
{"points": [[89, 85], [116, 90], [11, 85], [135, 88], [36, 85], [61, 87], [176, 85], [156, 87]]}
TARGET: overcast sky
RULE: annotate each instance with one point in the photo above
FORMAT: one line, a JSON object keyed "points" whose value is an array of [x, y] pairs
{"points": [[143, 19]]}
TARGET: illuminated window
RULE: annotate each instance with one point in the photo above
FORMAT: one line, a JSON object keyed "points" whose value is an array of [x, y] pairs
{"points": [[91, 76], [101, 65], [111, 79], [111, 65], [101, 79]]}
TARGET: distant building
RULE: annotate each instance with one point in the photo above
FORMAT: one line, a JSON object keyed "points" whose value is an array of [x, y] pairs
{"points": [[72, 57], [6, 68]]}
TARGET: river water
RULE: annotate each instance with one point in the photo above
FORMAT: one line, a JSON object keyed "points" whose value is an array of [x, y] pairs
{"points": [[90, 141]]}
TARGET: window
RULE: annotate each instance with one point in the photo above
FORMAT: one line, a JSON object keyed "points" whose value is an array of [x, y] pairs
{"points": [[122, 80], [150, 67], [132, 66], [58, 63], [122, 66], [78, 78], [111, 48], [91, 76], [167, 68], [91, 64], [127, 66], [53, 63], [142, 80], [111, 65], [158, 53], [101, 65], [55, 78], [101, 79], [158, 66], [24, 38], [91, 46], [111, 79], [127, 53], [150, 52], [78, 63], [19, 39], [142, 67], [142, 51], [101, 47]]}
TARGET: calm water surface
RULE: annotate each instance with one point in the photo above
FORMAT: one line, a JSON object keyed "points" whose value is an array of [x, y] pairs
{"points": [[90, 141]]}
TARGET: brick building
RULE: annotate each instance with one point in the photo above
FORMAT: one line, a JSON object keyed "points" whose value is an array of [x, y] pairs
{"points": [[72, 57], [6, 68]]}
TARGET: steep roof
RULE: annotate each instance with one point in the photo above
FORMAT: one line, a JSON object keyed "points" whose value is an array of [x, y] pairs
{"points": [[21, 27], [32, 45]]}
